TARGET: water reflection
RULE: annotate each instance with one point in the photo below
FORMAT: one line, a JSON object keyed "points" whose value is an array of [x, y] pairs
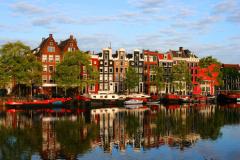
{"points": [[72, 133]]}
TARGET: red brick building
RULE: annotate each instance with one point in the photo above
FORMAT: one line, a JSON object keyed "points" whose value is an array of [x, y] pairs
{"points": [[50, 55], [150, 63]]}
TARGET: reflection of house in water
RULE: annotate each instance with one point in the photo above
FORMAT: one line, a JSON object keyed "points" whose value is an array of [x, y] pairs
{"points": [[113, 127], [50, 146], [15, 120]]}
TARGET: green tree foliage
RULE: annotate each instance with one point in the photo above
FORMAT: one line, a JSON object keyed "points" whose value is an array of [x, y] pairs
{"points": [[69, 73], [75, 137], [159, 79], [207, 61], [18, 65], [181, 75], [132, 79]]}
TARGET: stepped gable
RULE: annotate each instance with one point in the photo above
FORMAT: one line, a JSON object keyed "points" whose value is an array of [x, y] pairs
{"points": [[69, 45]]}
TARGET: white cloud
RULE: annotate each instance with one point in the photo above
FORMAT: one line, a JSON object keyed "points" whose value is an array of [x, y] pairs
{"points": [[27, 8]]}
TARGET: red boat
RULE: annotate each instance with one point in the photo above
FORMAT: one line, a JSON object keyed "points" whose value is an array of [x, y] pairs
{"points": [[171, 98], [83, 98], [229, 97], [37, 102], [199, 99]]}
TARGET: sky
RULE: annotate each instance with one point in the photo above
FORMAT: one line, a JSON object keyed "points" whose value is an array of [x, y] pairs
{"points": [[206, 27]]}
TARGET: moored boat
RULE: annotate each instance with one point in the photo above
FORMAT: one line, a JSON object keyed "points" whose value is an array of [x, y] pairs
{"points": [[133, 106], [133, 101], [170, 98], [140, 97], [153, 102], [37, 102], [229, 97], [185, 99]]}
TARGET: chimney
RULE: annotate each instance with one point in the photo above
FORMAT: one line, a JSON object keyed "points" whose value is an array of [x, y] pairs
{"points": [[180, 48], [71, 36], [50, 35]]}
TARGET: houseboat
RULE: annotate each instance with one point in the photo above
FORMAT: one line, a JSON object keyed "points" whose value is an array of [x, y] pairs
{"points": [[133, 102], [141, 97], [229, 97], [170, 98]]}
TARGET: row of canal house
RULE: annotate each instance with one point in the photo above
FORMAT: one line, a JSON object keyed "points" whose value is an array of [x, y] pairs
{"points": [[113, 66]]}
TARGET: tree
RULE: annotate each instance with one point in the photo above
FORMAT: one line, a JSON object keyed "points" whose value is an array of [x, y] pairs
{"points": [[33, 71], [18, 65], [209, 71], [181, 75], [159, 79], [132, 78], [75, 71]]}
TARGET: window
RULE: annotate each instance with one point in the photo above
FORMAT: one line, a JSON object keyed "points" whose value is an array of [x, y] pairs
{"points": [[145, 57], [101, 77], [106, 87], [44, 58], [51, 43], [105, 78], [140, 70], [50, 80], [44, 79], [105, 69], [84, 69], [110, 70], [57, 58], [51, 69], [121, 70], [51, 49], [70, 49], [116, 70], [110, 77], [101, 69], [154, 58], [121, 57], [101, 86], [50, 58], [105, 63], [45, 68], [110, 62]]}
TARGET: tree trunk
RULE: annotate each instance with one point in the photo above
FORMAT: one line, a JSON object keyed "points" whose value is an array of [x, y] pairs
{"points": [[31, 91], [19, 90]]}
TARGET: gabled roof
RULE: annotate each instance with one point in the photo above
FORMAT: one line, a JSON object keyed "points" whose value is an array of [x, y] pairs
{"points": [[183, 53], [236, 66]]}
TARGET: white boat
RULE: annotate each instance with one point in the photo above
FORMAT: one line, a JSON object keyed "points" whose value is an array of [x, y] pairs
{"points": [[138, 96], [133, 106], [107, 96], [133, 101], [153, 102]]}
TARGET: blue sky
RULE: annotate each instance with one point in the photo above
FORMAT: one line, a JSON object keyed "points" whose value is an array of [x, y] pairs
{"points": [[207, 27]]}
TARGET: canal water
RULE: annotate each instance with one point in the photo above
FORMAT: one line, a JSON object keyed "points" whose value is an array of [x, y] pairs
{"points": [[205, 132]]}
